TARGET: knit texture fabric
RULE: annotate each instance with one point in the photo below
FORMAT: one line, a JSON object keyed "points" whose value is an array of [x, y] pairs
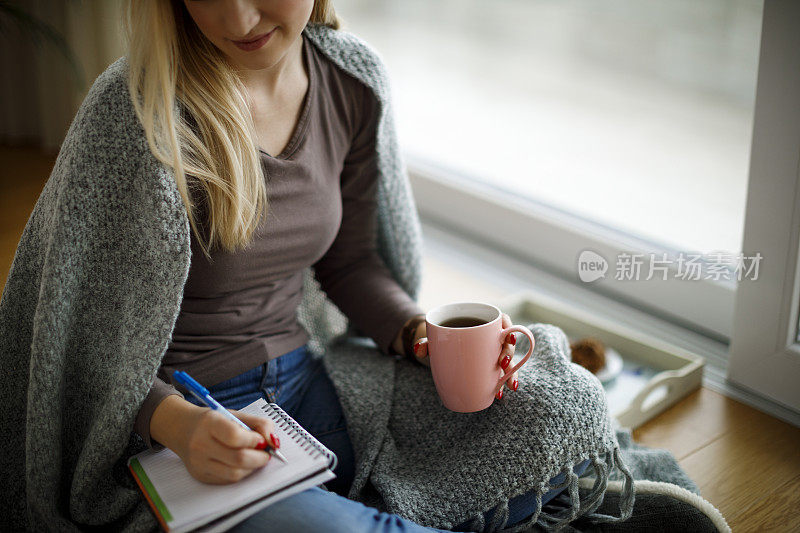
{"points": [[441, 468], [95, 289]]}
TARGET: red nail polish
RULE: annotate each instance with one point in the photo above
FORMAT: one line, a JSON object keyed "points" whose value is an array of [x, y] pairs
{"points": [[275, 441], [511, 339], [514, 384], [505, 361], [500, 394], [416, 347], [261, 445]]}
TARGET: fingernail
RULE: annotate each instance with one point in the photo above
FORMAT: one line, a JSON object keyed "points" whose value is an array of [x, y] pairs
{"points": [[514, 384], [275, 441], [505, 361], [500, 394], [416, 347], [511, 339], [261, 445]]}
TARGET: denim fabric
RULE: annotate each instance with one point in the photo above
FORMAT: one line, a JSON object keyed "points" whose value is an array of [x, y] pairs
{"points": [[300, 385]]}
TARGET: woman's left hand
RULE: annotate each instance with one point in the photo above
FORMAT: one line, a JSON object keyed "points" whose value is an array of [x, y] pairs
{"points": [[506, 354]]}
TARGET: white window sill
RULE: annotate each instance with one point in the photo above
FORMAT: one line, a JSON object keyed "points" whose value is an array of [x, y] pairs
{"points": [[457, 268], [539, 234]]}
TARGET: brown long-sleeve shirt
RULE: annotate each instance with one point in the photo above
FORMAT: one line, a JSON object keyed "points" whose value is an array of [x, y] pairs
{"points": [[239, 310]]}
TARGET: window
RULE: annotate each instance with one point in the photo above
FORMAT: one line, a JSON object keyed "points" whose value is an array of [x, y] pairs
{"points": [[764, 350], [618, 127]]}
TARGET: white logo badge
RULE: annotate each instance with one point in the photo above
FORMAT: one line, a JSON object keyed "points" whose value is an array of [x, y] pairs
{"points": [[591, 266]]}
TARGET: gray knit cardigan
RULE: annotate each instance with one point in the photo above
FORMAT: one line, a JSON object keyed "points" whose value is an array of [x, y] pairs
{"points": [[94, 292]]}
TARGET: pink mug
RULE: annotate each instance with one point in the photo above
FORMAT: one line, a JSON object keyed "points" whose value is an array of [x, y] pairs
{"points": [[464, 359]]}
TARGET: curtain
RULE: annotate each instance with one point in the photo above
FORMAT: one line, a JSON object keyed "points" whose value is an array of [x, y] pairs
{"points": [[39, 92]]}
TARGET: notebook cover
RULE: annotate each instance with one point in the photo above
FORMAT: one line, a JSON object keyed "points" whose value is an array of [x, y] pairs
{"points": [[150, 493], [164, 516]]}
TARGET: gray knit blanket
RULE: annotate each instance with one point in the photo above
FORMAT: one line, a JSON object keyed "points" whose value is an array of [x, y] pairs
{"points": [[442, 468], [95, 289]]}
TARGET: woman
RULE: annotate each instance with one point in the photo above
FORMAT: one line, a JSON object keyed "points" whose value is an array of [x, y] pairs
{"points": [[272, 158], [316, 119]]}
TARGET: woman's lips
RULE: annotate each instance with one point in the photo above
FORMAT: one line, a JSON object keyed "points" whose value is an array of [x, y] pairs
{"points": [[249, 46]]}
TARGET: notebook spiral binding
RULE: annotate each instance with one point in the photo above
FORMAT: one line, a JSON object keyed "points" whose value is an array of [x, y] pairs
{"points": [[298, 433]]}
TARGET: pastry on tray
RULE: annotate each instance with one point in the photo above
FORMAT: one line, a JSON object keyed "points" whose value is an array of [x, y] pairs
{"points": [[590, 353], [602, 361]]}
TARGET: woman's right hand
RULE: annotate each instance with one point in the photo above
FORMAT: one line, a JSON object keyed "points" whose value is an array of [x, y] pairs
{"points": [[214, 449]]}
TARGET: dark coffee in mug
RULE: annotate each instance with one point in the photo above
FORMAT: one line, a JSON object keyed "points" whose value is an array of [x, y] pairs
{"points": [[462, 322], [464, 344]]}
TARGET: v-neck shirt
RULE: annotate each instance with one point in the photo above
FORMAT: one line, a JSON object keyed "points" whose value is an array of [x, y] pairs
{"points": [[240, 309], [301, 126]]}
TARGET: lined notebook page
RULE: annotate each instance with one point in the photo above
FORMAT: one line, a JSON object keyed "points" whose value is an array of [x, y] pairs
{"points": [[189, 500]]}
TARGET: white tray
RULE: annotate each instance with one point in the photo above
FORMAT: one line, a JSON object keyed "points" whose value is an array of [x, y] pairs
{"points": [[655, 375]]}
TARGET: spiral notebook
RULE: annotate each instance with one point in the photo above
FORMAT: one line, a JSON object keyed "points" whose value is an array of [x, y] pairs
{"points": [[182, 503]]}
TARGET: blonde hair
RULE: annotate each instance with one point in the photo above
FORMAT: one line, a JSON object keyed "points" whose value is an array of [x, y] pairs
{"points": [[193, 108]]}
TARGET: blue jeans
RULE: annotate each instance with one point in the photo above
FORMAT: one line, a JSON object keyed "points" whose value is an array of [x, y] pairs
{"points": [[301, 386]]}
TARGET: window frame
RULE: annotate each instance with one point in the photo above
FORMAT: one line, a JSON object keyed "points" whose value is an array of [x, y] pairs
{"points": [[765, 352], [552, 239]]}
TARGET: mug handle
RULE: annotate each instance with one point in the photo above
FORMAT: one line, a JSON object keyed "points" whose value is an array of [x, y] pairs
{"points": [[503, 334]]}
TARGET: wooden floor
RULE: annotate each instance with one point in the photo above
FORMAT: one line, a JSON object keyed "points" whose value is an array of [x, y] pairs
{"points": [[746, 463]]}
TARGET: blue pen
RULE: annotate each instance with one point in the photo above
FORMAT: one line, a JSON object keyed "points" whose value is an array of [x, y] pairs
{"points": [[202, 394]]}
